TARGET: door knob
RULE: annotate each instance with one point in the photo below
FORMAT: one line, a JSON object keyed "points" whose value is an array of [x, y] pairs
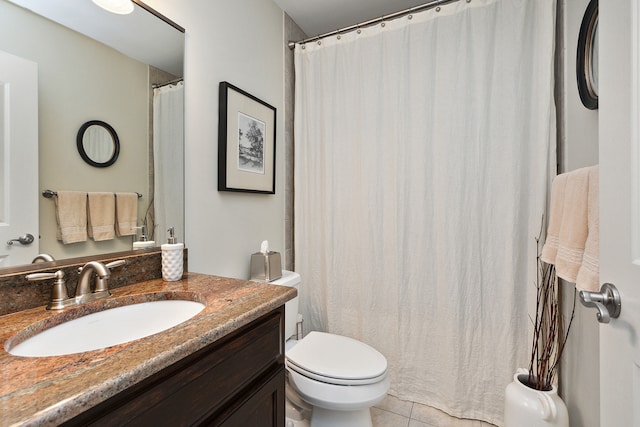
{"points": [[607, 302], [27, 239]]}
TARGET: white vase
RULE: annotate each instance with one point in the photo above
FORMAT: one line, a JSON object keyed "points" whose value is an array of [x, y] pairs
{"points": [[527, 407]]}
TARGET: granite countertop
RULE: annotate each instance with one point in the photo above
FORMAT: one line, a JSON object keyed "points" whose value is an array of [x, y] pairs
{"points": [[49, 390]]}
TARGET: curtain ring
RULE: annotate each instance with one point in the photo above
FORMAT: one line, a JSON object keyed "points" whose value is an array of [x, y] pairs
{"points": [[382, 25], [438, 9], [410, 17]]}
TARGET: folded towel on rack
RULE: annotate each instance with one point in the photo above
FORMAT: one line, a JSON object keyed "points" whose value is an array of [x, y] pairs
{"points": [[589, 274], [71, 216], [569, 226], [574, 228], [550, 248], [101, 216], [126, 213]]}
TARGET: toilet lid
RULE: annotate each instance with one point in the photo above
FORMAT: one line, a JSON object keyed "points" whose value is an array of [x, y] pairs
{"points": [[336, 359]]}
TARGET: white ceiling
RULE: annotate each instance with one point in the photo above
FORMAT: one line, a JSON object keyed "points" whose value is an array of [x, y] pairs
{"points": [[314, 17], [317, 17], [139, 35]]}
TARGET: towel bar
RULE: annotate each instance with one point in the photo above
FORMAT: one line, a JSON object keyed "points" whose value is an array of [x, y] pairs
{"points": [[49, 194]]}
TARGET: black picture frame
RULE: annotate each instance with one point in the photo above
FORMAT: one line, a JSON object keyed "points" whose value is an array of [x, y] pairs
{"points": [[586, 57], [246, 142]]}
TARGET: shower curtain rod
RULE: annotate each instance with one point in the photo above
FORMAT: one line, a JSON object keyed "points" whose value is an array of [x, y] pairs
{"points": [[404, 12], [170, 82]]}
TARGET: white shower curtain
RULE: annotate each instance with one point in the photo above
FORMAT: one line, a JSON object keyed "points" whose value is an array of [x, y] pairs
{"points": [[168, 155], [423, 150]]}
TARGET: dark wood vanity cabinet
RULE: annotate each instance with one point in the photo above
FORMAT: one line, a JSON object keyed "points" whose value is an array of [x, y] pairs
{"points": [[236, 381]]}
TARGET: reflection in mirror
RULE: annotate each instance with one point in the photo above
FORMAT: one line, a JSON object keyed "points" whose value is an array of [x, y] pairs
{"points": [[81, 79], [98, 143], [587, 57], [593, 59]]}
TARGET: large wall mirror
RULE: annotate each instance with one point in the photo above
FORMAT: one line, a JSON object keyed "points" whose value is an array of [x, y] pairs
{"points": [[95, 65]]}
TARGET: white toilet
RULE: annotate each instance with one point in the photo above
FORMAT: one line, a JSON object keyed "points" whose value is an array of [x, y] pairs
{"points": [[331, 379]]}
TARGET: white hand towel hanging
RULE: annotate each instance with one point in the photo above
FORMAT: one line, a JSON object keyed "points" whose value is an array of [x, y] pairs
{"points": [[71, 216], [101, 215], [126, 213], [573, 231]]}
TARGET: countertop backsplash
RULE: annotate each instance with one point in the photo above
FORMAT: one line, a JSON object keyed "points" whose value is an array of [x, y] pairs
{"points": [[17, 293]]}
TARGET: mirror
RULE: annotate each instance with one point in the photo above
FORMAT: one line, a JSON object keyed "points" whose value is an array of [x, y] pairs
{"points": [[593, 59], [587, 57], [98, 143], [111, 81]]}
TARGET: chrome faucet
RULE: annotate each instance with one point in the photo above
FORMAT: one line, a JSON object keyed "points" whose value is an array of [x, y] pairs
{"points": [[102, 273], [88, 272], [42, 258], [59, 296]]}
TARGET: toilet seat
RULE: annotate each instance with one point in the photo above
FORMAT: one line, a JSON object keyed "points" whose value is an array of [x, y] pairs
{"points": [[335, 359], [338, 397]]}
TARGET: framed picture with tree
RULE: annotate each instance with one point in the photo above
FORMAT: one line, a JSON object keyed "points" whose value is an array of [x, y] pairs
{"points": [[246, 142]]}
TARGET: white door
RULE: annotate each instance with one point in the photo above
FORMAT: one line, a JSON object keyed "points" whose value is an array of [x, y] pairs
{"points": [[18, 159], [619, 138]]}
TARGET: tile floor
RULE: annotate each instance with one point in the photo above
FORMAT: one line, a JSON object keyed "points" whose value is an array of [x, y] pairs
{"points": [[393, 412]]}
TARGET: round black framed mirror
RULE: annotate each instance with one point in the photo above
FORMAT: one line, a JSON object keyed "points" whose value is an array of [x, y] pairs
{"points": [[587, 57], [98, 143]]}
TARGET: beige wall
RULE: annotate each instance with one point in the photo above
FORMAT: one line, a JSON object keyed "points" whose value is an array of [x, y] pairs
{"points": [[240, 42], [578, 147], [97, 83]]}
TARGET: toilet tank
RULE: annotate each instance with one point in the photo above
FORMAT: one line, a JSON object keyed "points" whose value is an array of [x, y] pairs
{"points": [[292, 279]]}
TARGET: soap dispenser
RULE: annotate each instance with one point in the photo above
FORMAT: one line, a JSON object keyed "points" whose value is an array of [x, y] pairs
{"points": [[172, 258], [142, 242]]}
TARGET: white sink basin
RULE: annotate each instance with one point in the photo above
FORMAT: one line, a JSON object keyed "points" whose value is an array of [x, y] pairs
{"points": [[107, 328]]}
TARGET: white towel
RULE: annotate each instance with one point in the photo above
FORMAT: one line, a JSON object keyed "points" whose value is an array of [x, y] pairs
{"points": [[71, 216], [574, 226], [126, 213], [550, 248], [573, 219], [589, 274], [101, 216]]}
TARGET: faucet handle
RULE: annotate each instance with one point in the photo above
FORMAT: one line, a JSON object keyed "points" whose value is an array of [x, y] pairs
{"points": [[44, 276], [114, 264], [101, 284], [59, 296]]}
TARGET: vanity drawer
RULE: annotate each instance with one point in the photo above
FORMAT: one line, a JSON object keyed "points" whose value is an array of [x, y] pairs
{"points": [[206, 385]]}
